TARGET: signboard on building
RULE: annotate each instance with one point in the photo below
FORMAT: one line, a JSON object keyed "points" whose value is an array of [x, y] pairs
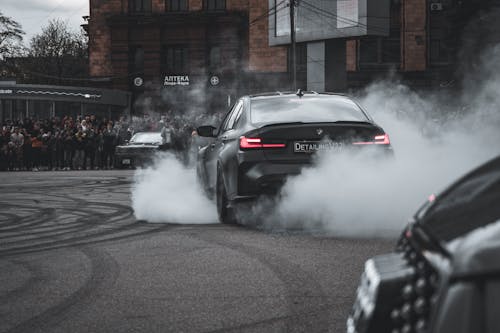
{"points": [[327, 19], [138, 81], [176, 80], [214, 80]]}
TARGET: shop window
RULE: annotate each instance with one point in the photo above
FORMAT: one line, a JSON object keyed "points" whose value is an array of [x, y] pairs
{"points": [[140, 6], [176, 5], [175, 59], [215, 4]]}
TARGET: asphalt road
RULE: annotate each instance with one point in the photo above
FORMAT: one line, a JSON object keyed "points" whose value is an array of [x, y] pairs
{"points": [[73, 258]]}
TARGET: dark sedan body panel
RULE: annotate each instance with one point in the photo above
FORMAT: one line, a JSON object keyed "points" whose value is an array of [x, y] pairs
{"points": [[254, 151]]}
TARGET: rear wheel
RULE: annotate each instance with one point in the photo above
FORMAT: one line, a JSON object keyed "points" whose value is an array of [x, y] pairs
{"points": [[226, 214]]}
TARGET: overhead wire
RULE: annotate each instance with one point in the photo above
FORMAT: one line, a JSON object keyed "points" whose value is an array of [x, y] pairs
{"points": [[342, 19], [319, 11], [272, 11]]}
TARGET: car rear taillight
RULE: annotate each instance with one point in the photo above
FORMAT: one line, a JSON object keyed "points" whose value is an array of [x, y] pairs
{"points": [[253, 143], [377, 140]]}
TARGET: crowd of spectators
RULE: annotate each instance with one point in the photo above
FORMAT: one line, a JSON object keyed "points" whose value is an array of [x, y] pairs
{"points": [[81, 143]]}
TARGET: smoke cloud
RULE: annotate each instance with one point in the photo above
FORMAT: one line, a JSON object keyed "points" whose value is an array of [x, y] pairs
{"points": [[436, 138], [169, 192]]}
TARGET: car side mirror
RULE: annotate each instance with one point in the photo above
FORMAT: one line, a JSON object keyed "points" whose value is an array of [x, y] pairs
{"points": [[206, 131]]}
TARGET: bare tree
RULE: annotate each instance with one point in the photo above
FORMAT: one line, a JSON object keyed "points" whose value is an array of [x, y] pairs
{"points": [[58, 54], [11, 36]]}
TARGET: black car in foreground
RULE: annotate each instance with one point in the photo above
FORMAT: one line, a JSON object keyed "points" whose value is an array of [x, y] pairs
{"points": [[265, 138], [444, 275], [139, 151]]}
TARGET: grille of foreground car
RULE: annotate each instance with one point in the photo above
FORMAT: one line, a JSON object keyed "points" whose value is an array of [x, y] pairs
{"points": [[395, 294], [418, 295]]}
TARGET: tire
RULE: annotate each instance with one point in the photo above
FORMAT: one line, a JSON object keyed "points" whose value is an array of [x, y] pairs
{"points": [[225, 213]]}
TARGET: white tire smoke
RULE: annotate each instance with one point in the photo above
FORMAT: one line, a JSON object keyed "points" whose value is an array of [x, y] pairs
{"points": [[169, 193]]}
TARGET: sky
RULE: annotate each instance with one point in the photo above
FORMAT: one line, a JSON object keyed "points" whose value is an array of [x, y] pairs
{"points": [[35, 14]]}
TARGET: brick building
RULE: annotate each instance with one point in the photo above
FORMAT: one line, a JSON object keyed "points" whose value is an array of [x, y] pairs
{"points": [[175, 53], [202, 52], [423, 44], [419, 40]]}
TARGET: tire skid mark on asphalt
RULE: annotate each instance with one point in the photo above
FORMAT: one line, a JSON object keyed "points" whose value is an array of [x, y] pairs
{"points": [[40, 227], [26, 286], [119, 211], [10, 218], [68, 227], [44, 215], [47, 214], [87, 238], [51, 232], [90, 226], [89, 219], [263, 324], [69, 241], [54, 240], [293, 278], [92, 240], [104, 272]]}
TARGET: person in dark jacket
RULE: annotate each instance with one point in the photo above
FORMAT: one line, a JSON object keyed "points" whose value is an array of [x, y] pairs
{"points": [[68, 148], [79, 143], [90, 146], [36, 149], [27, 152], [109, 143]]}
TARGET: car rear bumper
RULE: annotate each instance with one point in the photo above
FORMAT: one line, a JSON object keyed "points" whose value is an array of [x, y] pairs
{"points": [[264, 178], [259, 174]]}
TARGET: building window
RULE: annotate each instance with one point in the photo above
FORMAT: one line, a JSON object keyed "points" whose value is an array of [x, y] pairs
{"points": [[215, 4], [175, 59], [136, 60], [176, 5], [140, 6], [443, 37], [214, 58], [376, 52]]}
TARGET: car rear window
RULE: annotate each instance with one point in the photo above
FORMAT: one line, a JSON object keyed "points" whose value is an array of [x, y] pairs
{"points": [[305, 109]]}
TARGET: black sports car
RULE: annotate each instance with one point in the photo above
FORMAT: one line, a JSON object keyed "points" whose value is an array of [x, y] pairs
{"points": [[445, 273], [139, 151], [265, 138]]}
